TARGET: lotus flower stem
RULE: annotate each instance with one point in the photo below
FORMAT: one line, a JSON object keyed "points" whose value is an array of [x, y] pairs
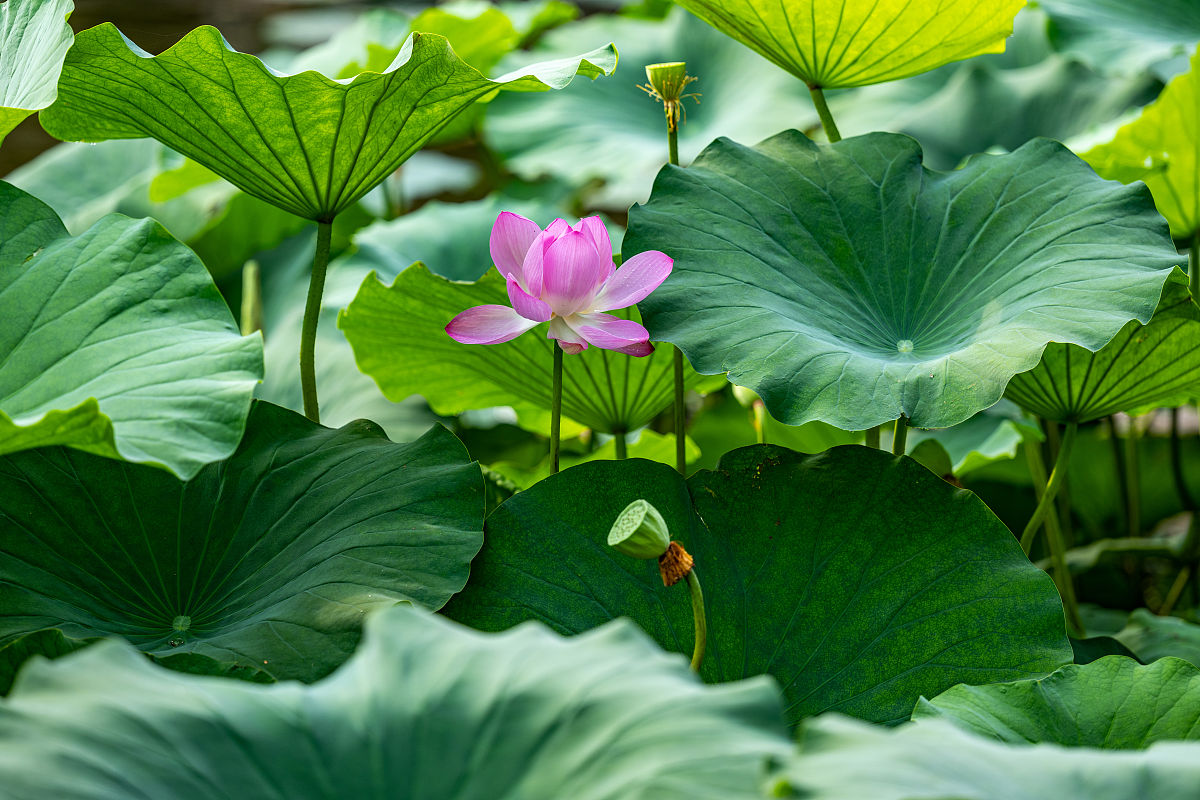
{"points": [[1054, 538], [620, 444], [1062, 502], [872, 437], [698, 618], [312, 313], [900, 439], [555, 406], [831, 129]]}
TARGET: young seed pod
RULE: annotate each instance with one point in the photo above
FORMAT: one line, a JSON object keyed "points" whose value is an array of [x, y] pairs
{"points": [[640, 531]]}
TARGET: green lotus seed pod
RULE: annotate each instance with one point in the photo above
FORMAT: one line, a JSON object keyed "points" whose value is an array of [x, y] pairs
{"points": [[668, 79], [640, 531]]}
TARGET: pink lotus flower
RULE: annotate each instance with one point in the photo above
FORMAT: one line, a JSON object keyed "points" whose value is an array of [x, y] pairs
{"points": [[563, 275]]}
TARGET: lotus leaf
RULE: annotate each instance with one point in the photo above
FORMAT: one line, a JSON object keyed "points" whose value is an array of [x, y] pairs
{"points": [[34, 39]]}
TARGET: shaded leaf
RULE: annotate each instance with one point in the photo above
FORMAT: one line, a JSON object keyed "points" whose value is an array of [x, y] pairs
{"points": [[425, 710], [1127, 36], [1153, 637], [842, 759], [858, 580], [116, 342], [268, 560], [1114, 703], [848, 284]]}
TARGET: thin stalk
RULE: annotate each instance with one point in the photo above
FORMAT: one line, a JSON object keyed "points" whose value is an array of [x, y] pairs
{"points": [[1194, 267], [1054, 537], [312, 313], [872, 437], [1181, 487], [1190, 555], [758, 417], [831, 129], [620, 444], [251, 298], [1133, 479], [1057, 476], [1063, 501], [555, 407], [680, 417], [900, 438], [698, 617], [1119, 459], [680, 410]]}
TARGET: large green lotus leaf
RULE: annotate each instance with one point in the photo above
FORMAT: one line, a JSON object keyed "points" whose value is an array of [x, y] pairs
{"points": [[1157, 364], [838, 43], [1114, 703], [1153, 637], [116, 342], [849, 284], [1128, 36], [860, 581], [1162, 148], [268, 559], [843, 759], [425, 710], [306, 143], [398, 334], [994, 434], [624, 140], [48, 643], [34, 39]]}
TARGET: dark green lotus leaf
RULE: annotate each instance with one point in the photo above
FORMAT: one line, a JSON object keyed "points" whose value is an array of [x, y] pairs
{"points": [[425, 710], [267, 560], [1094, 648], [1157, 364], [306, 143], [842, 759], [1114, 703], [625, 141], [1153, 637], [1127, 36], [847, 283], [398, 334], [34, 39], [116, 342], [858, 580], [836, 43]]}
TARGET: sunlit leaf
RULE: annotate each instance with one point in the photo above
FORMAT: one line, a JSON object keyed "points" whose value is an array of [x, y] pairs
{"points": [[306, 143], [34, 38], [268, 559], [846, 283], [837, 43], [425, 710], [1162, 147], [116, 342]]}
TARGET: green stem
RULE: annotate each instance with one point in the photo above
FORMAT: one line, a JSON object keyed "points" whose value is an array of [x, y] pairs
{"points": [[1063, 500], [1119, 459], [698, 617], [1054, 537], [818, 97], [1133, 479], [1181, 487], [312, 313], [251, 298], [672, 145], [680, 417], [1194, 267], [556, 407], [620, 444], [900, 438], [1057, 476], [759, 413], [1190, 555], [872, 437]]}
